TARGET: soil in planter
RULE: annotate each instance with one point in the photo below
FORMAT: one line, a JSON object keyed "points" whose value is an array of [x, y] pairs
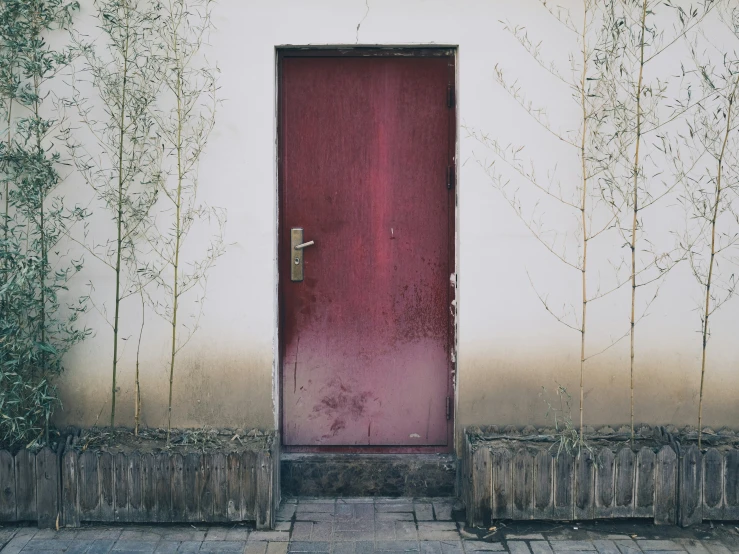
{"points": [[183, 441], [645, 436]]}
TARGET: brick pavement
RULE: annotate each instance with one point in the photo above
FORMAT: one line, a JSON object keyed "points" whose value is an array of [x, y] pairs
{"points": [[385, 526]]}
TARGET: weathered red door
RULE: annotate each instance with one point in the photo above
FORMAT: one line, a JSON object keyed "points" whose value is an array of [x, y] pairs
{"points": [[366, 149]]}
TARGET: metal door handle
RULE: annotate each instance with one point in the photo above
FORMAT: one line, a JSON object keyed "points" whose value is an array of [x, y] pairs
{"points": [[304, 245]]}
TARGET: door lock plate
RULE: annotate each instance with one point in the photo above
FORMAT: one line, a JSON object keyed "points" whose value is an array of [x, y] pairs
{"points": [[296, 255]]}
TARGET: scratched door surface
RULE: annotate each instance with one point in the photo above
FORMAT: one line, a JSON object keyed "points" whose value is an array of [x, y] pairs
{"points": [[365, 151]]}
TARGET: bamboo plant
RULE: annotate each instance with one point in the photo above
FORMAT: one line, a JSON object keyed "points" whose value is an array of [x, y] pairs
{"points": [[124, 170], [591, 52], [185, 116], [36, 327]]}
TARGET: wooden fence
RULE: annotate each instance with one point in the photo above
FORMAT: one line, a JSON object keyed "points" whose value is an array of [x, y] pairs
{"points": [[68, 488], [669, 486]]}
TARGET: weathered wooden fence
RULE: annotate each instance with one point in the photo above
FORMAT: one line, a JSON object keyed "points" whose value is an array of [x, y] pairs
{"points": [[68, 488], [533, 483]]}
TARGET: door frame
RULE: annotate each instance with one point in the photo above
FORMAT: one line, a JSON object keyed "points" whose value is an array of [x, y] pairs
{"points": [[449, 51]]}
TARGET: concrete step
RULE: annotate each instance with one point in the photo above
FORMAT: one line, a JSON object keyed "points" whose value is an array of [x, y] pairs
{"points": [[355, 475]]}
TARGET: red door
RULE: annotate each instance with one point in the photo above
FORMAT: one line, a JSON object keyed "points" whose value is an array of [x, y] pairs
{"points": [[366, 155]]}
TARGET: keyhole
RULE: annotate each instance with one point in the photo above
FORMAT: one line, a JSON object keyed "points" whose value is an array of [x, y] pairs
{"points": [[297, 261]]}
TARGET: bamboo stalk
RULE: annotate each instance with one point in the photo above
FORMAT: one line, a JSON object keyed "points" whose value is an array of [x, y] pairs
{"points": [[714, 218], [583, 104]]}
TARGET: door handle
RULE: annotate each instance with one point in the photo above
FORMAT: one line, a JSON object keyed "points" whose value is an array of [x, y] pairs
{"points": [[297, 246], [304, 245]]}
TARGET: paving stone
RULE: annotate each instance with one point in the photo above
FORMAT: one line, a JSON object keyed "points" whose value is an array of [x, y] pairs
{"points": [[322, 507], [139, 535], [354, 524], [179, 534], [353, 547], [301, 531], [256, 547], [283, 526], [525, 537], [286, 512], [657, 545], [216, 534], [364, 510], [277, 547], [322, 531], [618, 537], [315, 516], [606, 547], [16, 544], [135, 545], [101, 546], [344, 510], [437, 531], [542, 547], [627, 546], [237, 534], [483, 546], [571, 546], [424, 511], [406, 530], [430, 547], [517, 547], [716, 547], [354, 535], [301, 546], [385, 531], [394, 516], [664, 552], [692, 546], [101, 534], [222, 546], [443, 510], [168, 546], [79, 547], [452, 547], [194, 546], [396, 546], [272, 536], [46, 544], [394, 507], [45, 534]]}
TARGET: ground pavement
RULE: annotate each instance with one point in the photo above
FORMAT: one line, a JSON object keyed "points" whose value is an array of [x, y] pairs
{"points": [[385, 526]]}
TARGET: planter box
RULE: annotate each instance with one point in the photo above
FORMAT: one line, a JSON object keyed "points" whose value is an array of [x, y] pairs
{"points": [[513, 479], [68, 487]]}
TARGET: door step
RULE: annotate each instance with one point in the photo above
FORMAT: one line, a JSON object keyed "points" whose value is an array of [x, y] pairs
{"points": [[347, 475]]}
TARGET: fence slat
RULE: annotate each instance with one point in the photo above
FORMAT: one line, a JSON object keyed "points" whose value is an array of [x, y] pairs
{"points": [[713, 485], [135, 487], [233, 496], [220, 487], [7, 482], [70, 488], [205, 500], [106, 474], [543, 485], [47, 488], [625, 477], [89, 486], [646, 460], [501, 487], [192, 491], [248, 478], [564, 486], [163, 487], [120, 474], [177, 469], [605, 471], [148, 487], [584, 485], [265, 512], [523, 485], [665, 489], [691, 485], [731, 485], [25, 486]]}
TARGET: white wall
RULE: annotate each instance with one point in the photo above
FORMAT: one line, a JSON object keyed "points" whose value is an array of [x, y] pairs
{"points": [[509, 347]]}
